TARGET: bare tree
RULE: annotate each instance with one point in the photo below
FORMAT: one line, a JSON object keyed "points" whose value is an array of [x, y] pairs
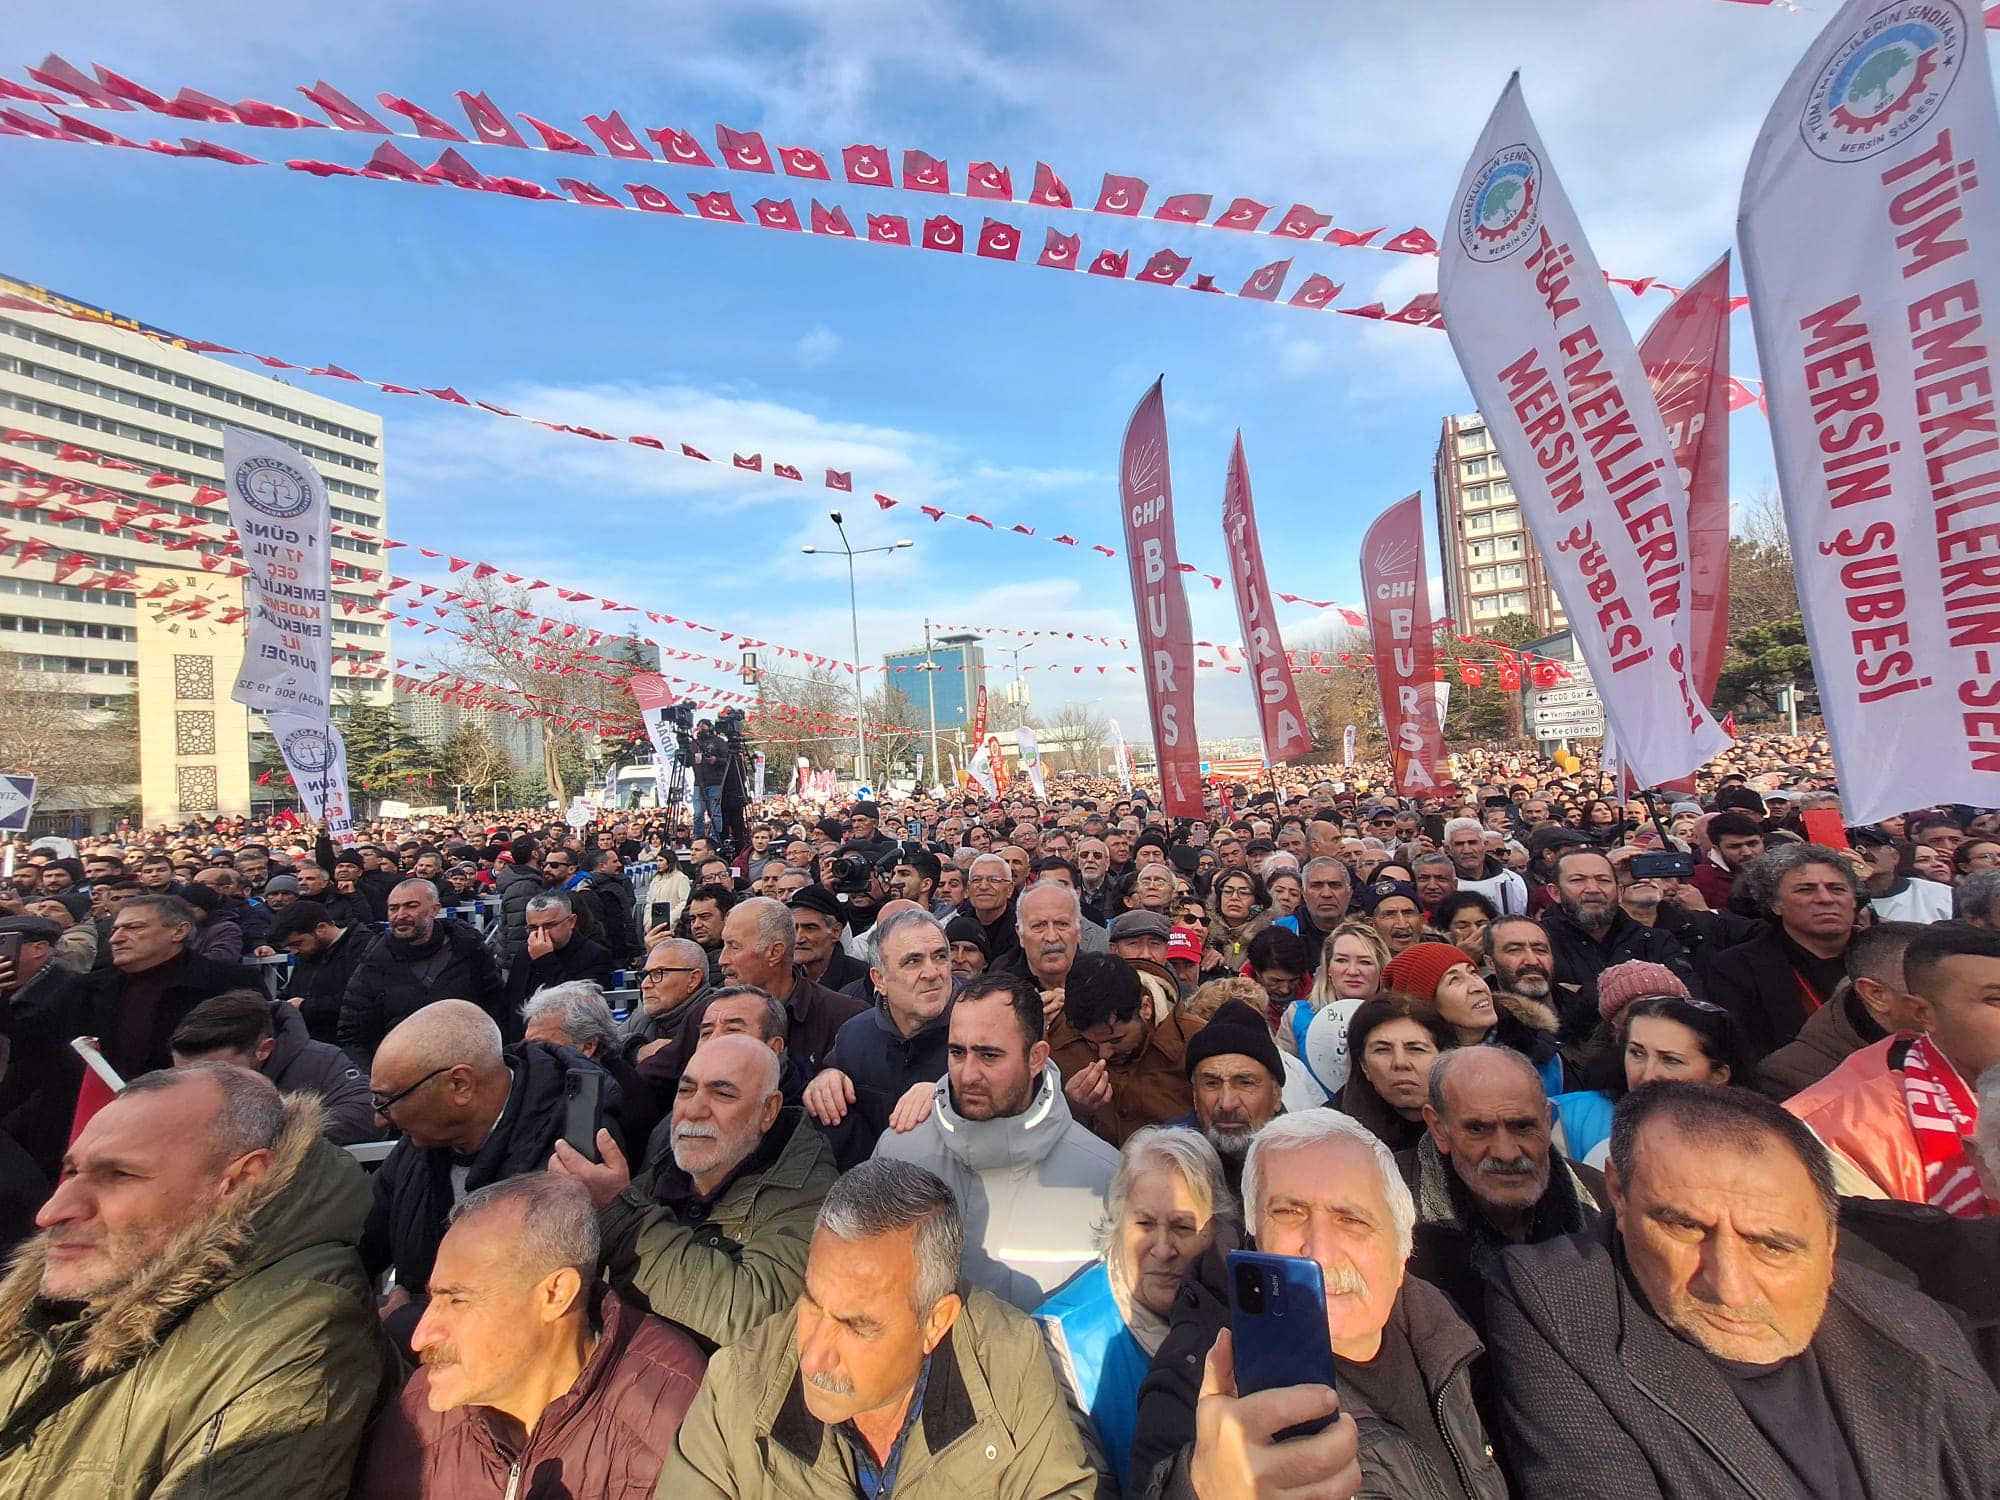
{"points": [[79, 757], [1076, 733], [1762, 589]]}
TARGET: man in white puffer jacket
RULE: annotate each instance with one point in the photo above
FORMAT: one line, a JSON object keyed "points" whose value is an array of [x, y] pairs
{"points": [[1465, 842], [1029, 1180]]}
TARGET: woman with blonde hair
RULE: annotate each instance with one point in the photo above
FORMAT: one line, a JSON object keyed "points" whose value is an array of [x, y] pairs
{"points": [[1350, 971], [1168, 1203]]}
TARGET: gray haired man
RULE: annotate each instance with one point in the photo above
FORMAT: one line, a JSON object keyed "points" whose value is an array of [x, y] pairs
{"points": [[889, 1376]]}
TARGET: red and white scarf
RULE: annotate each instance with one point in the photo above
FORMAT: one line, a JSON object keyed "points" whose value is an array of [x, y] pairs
{"points": [[1944, 1113]]}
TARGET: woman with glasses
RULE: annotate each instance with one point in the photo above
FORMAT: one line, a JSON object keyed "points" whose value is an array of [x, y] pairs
{"points": [[1237, 913], [1653, 1028]]}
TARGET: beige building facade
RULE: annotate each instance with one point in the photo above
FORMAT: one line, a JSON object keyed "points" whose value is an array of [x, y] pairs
{"points": [[1490, 565]]}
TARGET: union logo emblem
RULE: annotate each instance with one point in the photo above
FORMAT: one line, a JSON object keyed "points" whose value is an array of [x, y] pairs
{"points": [[1503, 206], [1885, 80]]}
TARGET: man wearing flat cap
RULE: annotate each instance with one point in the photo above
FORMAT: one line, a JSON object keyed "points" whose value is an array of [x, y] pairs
{"points": [[39, 1013]]}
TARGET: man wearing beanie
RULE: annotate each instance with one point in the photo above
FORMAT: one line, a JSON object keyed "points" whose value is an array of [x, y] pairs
{"points": [[1238, 1080]]}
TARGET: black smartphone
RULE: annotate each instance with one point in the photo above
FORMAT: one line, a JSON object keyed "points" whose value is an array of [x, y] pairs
{"points": [[1667, 864], [1277, 1319], [10, 951], [583, 1110], [660, 913]]}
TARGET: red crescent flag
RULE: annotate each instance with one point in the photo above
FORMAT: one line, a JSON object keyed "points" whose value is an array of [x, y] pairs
{"points": [[1146, 498], [743, 149], [1686, 355], [984, 180], [924, 173], [803, 161], [1050, 191], [944, 233], [1302, 222], [488, 122], [679, 147], [1185, 208], [617, 136], [1271, 669], [1242, 213], [1399, 630], [1060, 250], [1121, 195], [998, 241], [868, 165]]}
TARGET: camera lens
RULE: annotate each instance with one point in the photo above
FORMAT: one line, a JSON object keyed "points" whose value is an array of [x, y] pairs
{"points": [[1250, 1289]]}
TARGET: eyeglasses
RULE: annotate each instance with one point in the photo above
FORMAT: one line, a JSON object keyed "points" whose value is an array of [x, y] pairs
{"points": [[1194, 919], [656, 976], [382, 1106], [990, 880]]}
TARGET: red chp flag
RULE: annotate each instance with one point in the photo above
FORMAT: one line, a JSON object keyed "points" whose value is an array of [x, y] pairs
{"points": [[1871, 252], [101, 1084], [1555, 372], [1686, 356], [1270, 668], [1166, 642], [1399, 631], [978, 732]]}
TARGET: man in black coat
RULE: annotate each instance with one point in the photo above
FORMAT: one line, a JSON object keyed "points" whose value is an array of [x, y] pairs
{"points": [[133, 1007], [267, 1036], [514, 882], [604, 878], [470, 1113], [1787, 972], [1589, 932], [421, 958], [40, 1009], [324, 955], [556, 952], [1706, 1345]]}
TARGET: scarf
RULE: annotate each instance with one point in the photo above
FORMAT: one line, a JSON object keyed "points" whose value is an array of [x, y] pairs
{"points": [[1943, 1113]]}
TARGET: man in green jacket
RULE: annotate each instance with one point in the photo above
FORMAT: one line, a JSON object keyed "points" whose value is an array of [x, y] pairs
{"points": [[712, 1233], [193, 1319], [890, 1376]]}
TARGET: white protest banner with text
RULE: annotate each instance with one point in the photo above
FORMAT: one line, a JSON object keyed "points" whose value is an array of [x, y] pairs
{"points": [[277, 503]]}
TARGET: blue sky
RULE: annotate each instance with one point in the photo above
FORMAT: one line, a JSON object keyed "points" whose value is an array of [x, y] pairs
{"points": [[980, 387]]}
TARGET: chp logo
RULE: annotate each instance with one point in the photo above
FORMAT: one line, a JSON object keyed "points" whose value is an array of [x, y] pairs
{"points": [[308, 751], [1500, 210], [1885, 81], [272, 486]]}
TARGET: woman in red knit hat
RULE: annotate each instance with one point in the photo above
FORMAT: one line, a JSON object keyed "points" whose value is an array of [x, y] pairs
{"points": [[1442, 974]]}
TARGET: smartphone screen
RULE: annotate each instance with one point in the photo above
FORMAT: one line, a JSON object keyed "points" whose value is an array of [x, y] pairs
{"points": [[10, 950], [1277, 1319], [583, 1110]]}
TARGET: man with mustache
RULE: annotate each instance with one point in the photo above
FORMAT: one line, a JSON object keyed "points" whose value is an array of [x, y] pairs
{"points": [[891, 1376], [1319, 1184], [711, 1233], [1589, 932], [1488, 1174], [1708, 1343], [1238, 1079], [516, 1323]]}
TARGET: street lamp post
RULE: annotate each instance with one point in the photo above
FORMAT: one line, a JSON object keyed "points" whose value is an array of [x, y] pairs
{"points": [[850, 552]]}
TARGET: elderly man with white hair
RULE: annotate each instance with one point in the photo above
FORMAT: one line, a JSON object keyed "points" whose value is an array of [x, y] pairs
{"points": [[1319, 1184], [1482, 871], [576, 1015]]}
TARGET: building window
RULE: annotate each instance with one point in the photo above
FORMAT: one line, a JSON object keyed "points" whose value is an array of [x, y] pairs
{"points": [[194, 731], [1514, 573], [1472, 440], [194, 679], [1479, 551], [1482, 578], [1503, 489], [1476, 467], [194, 788]]}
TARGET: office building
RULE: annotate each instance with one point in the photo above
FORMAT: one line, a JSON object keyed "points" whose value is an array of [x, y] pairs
{"points": [[1489, 561], [961, 672]]}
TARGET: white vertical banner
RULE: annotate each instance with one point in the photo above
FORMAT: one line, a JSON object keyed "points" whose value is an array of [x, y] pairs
{"points": [[1440, 692], [1121, 757], [757, 776], [1871, 250], [1558, 379], [980, 768], [1347, 746], [277, 503], [1031, 759], [316, 756]]}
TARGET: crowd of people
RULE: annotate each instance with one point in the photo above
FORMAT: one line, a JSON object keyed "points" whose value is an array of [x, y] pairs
{"points": [[1643, 1147]]}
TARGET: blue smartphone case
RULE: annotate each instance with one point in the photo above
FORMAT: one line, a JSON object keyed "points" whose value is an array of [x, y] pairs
{"points": [[1277, 1318]]}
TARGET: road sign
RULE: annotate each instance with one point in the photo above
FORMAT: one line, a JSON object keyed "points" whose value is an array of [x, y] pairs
{"points": [[17, 800], [1552, 697], [1571, 719]]}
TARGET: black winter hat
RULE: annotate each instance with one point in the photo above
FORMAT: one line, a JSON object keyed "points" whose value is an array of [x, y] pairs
{"points": [[1235, 1029]]}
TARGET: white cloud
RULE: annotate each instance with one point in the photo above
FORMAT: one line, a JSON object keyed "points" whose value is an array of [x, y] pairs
{"points": [[817, 345]]}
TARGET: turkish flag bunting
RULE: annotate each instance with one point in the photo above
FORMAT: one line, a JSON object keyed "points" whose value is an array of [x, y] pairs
{"points": [[985, 180], [743, 149], [1243, 213], [429, 126], [1317, 292], [924, 173], [889, 229], [944, 233], [998, 241], [1421, 309], [1050, 190], [831, 221], [1729, 723], [77, 129], [616, 136], [1061, 250], [755, 462], [595, 196], [1301, 223], [115, 84], [557, 139], [1352, 238], [785, 471], [1163, 269], [1372, 310], [1266, 281], [687, 452], [322, 168], [1067, 541], [886, 503], [273, 116], [1121, 195], [455, 169], [389, 161], [193, 104], [1024, 530], [58, 74], [716, 206], [650, 198], [777, 213], [803, 161], [520, 187], [867, 165], [1110, 263], [1413, 242], [679, 147], [488, 123], [1186, 208], [932, 511], [1472, 672], [12, 90], [20, 124], [214, 152]]}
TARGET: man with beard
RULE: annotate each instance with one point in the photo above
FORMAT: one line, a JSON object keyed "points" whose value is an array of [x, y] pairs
{"points": [[1030, 1181], [1487, 1174], [1093, 859], [1709, 1343], [1589, 932], [423, 957], [711, 1234], [1238, 1080]]}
